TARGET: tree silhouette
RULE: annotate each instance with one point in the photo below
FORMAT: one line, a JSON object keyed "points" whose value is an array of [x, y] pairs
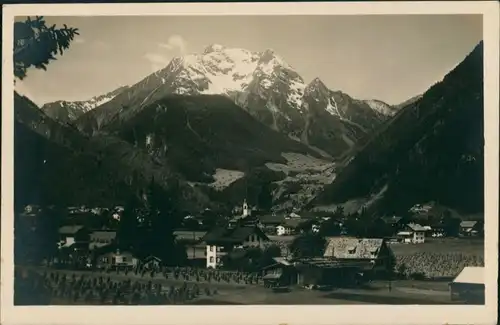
{"points": [[36, 44], [308, 245], [128, 225], [265, 198]]}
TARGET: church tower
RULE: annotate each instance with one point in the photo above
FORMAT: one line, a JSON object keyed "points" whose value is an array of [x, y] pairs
{"points": [[246, 211]]}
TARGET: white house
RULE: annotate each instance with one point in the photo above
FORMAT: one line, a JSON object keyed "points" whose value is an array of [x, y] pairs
{"points": [[221, 241], [289, 227], [412, 233]]}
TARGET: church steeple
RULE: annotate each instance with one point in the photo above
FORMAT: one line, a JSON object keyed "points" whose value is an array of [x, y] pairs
{"points": [[246, 211]]}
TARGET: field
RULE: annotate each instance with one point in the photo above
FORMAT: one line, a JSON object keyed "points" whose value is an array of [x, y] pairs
{"points": [[84, 288], [225, 177]]}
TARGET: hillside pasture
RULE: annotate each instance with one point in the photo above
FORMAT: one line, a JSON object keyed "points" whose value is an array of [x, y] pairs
{"points": [[297, 162], [225, 177]]}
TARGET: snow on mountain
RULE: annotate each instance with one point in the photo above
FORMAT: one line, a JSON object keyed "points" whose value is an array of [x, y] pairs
{"points": [[262, 83], [66, 111]]}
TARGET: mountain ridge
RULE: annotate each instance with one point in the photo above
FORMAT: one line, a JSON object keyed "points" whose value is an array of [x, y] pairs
{"points": [[433, 149], [262, 83]]}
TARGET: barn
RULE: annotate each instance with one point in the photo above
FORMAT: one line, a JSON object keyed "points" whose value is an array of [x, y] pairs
{"points": [[468, 286]]}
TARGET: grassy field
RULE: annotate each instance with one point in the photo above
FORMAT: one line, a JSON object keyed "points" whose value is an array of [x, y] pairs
{"points": [[446, 245], [439, 258], [403, 292]]}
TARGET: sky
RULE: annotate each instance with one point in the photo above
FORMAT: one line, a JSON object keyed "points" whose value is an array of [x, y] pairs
{"points": [[386, 57]]}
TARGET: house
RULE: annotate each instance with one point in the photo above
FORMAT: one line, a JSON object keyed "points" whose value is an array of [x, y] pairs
{"points": [[314, 271], [280, 273], [324, 271], [468, 286], [76, 236], [196, 249], [268, 223], [116, 259], [221, 240], [289, 227], [197, 254], [101, 238], [151, 263], [437, 230], [372, 250], [470, 228], [396, 223], [187, 236], [412, 233]]}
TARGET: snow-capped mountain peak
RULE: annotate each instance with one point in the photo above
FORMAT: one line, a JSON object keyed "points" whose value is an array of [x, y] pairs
{"points": [[213, 48], [262, 83], [67, 111]]}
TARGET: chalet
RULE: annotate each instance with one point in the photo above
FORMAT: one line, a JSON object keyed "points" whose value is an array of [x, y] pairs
{"points": [[412, 233], [75, 236], [116, 259], [292, 226], [437, 230], [470, 228], [196, 249], [220, 241], [468, 286], [338, 273], [394, 221], [101, 238], [187, 236], [372, 250], [268, 223], [280, 273], [197, 254], [313, 271], [151, 263]]}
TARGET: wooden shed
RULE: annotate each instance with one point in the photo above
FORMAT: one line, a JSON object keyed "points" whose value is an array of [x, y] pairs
{"points": [[468, 286], [116, 259]]}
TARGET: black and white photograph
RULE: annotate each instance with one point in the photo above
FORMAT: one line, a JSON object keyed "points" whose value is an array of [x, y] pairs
{"points": [[244, 159]]}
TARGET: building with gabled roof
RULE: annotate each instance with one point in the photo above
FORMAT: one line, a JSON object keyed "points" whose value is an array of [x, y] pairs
{"points": [[76, 236], [221, 240], [468, 286], [470, 228], [290, 226], [101, 238], [412, 233], [373, 250]]}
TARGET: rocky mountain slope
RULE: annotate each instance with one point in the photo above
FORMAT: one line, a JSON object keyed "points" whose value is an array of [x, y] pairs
{"points": [[408, 102], [431, 150], [198, 134], [56, 164], [65, 111], [264, 85]]}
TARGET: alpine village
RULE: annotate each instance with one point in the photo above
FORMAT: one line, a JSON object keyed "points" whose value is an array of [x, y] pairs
{"points": [[170, 191]]}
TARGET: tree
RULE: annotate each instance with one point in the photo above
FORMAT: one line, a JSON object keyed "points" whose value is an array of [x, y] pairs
{"points": [[330, 227], [339, 212], [36, 44], [308, 245], [268, 254], [162, 217], [265, 198], [128, 225]]}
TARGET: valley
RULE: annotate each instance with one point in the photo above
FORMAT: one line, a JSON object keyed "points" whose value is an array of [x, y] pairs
{"points": [[328, 170]]}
